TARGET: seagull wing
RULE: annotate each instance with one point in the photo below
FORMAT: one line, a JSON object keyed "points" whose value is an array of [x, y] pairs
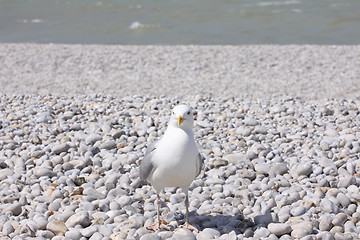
{"points": [[147, 166], [199, 163]]}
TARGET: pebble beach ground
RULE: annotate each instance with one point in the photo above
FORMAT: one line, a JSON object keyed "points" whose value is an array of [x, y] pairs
{"points": [[278, 126]]}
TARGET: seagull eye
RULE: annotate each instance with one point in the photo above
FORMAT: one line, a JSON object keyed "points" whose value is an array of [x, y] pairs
{"points": [[188, 113], [173, 113]]}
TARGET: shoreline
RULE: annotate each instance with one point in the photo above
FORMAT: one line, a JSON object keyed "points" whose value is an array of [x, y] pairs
{"points": [[306, 71]]}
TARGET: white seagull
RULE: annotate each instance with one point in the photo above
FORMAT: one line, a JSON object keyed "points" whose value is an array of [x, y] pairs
{"points": [[174, 160]]}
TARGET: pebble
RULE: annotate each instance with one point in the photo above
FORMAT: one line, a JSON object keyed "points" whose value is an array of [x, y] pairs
{"points": [[298, 233], [14, 208], [262, 233], [89, 231], [74, 234], [5, 173], [57, 227], [150, 236], [339, 219], [80, 218], [41, 222], [343, 200], [44, 172], [270, 171], [96, 236], [249, 121], [183, 234], [328, 206], [279, 169], [325, 224], [108, 145], [208, 233], [63, 147], [304, 169], [297, 211], [8, 228], [265, 219], [346, 181], [92, 138], [279, 229]]}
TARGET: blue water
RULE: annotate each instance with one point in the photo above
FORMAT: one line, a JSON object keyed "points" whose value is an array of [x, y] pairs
{"points": [[181, 21]]}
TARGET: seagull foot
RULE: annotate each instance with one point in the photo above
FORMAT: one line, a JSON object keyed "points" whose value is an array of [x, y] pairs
{"points": [[156, 226], [188, 227]]}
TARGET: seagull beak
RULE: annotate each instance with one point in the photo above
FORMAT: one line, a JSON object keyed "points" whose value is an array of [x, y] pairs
{"points": [[180, 120]]}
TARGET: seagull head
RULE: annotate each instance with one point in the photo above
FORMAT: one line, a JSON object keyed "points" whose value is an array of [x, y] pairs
{"points": [[182, 117]]}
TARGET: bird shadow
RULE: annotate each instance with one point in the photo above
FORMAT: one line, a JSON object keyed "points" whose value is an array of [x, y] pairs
{"points": [[220, 222]]}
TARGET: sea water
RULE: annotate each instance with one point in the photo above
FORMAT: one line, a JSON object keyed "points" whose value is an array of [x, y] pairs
{"points": [[180, 21]]}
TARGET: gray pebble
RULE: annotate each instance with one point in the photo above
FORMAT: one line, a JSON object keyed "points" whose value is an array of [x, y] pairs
{"points": [[328, 206], [183, 234], [124, 201], [250, 121], [5, 173], [79, 218], [298, 233], [204, 124], [110, 144], [208, 233], [304, 169], [96, 236], [43, 171], [279, 229], [339, 219], [55, 205], [8, 228], [297, 211], [14, 208], [105, 230], [325, 224], [75, 127], [59, 148], [279, 168], [118, 133], [265, 219], [37, 154], [89, 231], [165, 234], [67, 115], [92, 138], [262, 233], [150, 236], [41, 222], [346, 181], [342, 236], [328, 236], [45, 234], [73, 233], [302, 229]]}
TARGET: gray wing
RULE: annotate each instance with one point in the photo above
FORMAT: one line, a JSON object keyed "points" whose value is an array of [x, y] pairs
{"points": [[146, 165], [199, 163]]}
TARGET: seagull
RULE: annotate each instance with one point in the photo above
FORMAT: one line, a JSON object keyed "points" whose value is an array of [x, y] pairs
{"points": [[173, 161]]}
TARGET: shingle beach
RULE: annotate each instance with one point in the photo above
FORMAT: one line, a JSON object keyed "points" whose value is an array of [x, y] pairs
{"points": [[278, 126]]}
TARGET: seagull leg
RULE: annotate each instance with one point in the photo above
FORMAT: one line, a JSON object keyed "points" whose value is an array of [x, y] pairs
{"points": [[187, 207], [158, 210], [187, 225], [159, 224]]}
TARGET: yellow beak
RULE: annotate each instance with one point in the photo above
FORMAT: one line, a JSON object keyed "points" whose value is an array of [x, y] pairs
{"points": [[180, 120]]}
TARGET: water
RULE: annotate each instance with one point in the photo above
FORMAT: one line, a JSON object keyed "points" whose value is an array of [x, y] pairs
{"points": [[181, 21]]}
